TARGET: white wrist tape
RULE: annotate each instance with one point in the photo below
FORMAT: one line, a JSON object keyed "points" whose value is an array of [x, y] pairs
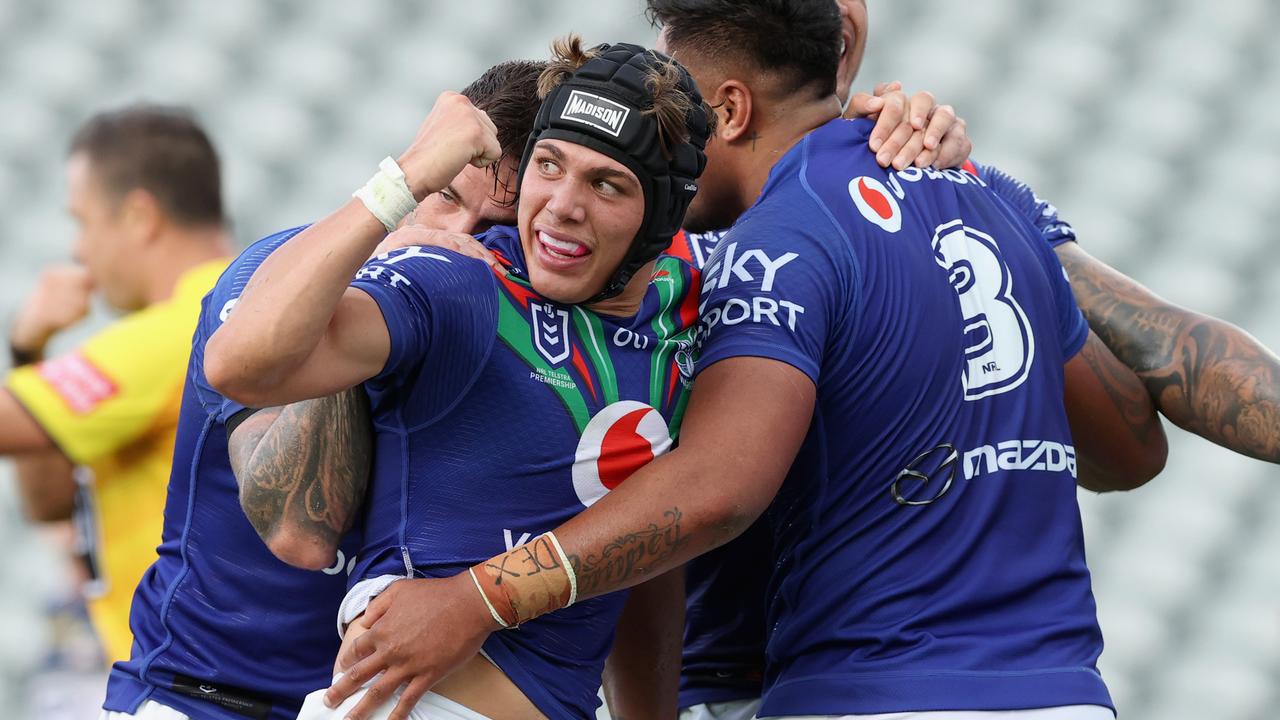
{"points": [[568, 569], [387, 195]]}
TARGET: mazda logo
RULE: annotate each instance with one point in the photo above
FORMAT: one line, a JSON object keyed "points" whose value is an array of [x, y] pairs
{"points": [[938, 463]]}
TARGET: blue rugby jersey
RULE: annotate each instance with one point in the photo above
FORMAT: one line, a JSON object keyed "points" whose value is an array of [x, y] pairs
{"points": [[724, 639], [1041, 214], [501, 415], [222, 629], [935, 326], [723, 651], [724, 620]]}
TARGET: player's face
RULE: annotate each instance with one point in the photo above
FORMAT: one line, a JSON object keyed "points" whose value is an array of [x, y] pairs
{"points": [[579, 212], [475, 201], [103, 242]]}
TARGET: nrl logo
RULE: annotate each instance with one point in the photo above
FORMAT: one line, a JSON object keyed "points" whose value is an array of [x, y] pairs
{"points": [[551, 332], [600, 113]]}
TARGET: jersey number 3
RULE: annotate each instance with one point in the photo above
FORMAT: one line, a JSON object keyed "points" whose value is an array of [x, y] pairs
{"points": [[999, 345]]}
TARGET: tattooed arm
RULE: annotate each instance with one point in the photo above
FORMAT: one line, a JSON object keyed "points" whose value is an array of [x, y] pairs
{"points": [[744, 425], [1206, 375], [303, 469]]}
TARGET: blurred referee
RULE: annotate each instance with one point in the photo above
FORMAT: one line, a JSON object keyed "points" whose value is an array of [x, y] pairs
{"points": [[144, 188]]}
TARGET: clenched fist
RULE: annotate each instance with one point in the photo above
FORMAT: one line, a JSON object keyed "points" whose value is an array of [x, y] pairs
{"points": [[454, 135], [60, 300]]}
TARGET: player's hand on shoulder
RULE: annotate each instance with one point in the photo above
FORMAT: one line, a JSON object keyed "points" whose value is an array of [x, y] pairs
{"points": [[454, 135], [60, 299], [461, 243], [912, 130]]}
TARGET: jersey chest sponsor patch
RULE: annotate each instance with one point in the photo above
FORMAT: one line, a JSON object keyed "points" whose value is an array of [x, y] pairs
{"points": [[876, 203], [619, 440], [80, 383]]}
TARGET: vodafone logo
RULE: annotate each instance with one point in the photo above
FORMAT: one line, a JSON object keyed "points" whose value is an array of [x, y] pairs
{"points": [[619, 440], [876, 203]]}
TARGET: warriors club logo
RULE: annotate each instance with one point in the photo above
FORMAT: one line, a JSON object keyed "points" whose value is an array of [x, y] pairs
{"points": [[876, 203], [619, 440]]}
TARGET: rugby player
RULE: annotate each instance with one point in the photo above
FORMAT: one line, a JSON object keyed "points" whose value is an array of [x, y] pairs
{"points": [[510, 402], [225, 630], [1205, 375], [145, 191], [905, 361]]}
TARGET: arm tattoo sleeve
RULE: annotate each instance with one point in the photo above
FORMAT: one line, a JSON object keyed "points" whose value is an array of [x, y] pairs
{"points": [[1206, 375], [631, 554], [305, 467]]}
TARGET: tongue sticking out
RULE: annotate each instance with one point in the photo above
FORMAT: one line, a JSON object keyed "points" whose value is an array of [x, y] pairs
{"points": [[562, 247]]}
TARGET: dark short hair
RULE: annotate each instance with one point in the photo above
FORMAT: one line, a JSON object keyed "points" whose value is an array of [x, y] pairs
{"points": [[508, 94], [798, 39], [160, 149]]}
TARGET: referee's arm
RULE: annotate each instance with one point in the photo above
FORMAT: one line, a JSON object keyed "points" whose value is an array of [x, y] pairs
{"points": [[45, 482]]}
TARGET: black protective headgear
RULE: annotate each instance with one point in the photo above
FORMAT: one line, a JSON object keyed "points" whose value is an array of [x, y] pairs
{"points": [[602, 106]]}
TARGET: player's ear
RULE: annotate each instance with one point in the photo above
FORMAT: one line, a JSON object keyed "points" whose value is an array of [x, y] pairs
{"points": [[853, 33], [141, 215], [733, 111]]}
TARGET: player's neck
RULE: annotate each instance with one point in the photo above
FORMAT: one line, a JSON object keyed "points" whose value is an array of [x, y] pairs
{"points": [[180, 252], [779, 128], [627, 302]]}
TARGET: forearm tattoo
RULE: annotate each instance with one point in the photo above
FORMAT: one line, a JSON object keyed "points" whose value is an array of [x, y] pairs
{"points": [[630, 555], [1205, 375], [305, 466], [529, 581], [1132, 401]]}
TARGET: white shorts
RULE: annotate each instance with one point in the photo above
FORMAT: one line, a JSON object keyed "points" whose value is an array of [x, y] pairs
{"points": [[1066, 712], [430, 706], [149, 710], [732, 710]]}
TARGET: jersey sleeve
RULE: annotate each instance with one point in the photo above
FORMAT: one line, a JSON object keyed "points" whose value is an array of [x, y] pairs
{"points": [[216, 308], [1042, 215], [440, 308], [1073, 329], [109, 391], [217, 305], [777, 289]]}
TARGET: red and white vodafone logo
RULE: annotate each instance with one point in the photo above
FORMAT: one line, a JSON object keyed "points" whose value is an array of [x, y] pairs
{"points": [[619, 440], [876, 203]]}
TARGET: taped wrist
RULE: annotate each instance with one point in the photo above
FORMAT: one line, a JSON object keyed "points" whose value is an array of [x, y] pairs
{"points": [[387, 195], [527, 581]]}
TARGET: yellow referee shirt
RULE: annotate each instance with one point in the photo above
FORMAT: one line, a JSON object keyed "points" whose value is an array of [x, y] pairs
{"points": [[112, 405]]}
